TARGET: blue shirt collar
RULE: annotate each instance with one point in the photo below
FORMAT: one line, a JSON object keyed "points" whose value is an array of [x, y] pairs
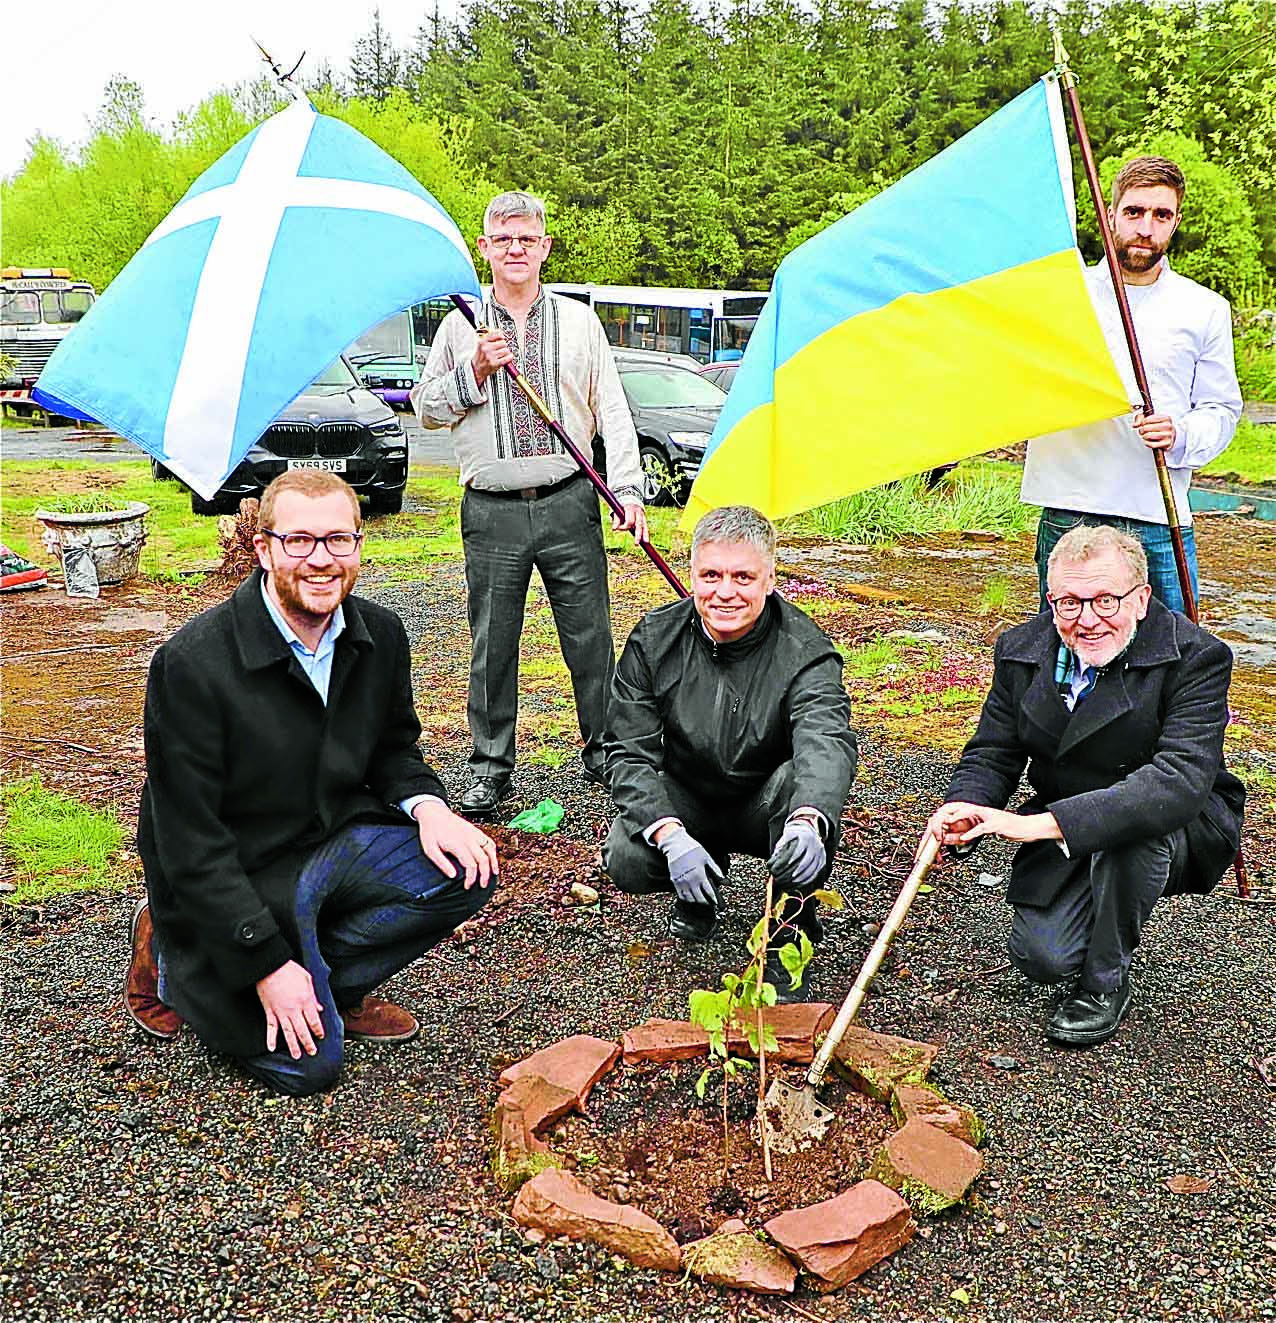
{"points": [[330, 635]]}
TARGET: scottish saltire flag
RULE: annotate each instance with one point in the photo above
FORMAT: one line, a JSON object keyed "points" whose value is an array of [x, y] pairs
{"points": [[294, 243], [945, 317]]}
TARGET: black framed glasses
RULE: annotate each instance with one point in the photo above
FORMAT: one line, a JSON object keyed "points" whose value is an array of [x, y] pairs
{"points": [[300, 545], [501, 242], [1105, 605]]}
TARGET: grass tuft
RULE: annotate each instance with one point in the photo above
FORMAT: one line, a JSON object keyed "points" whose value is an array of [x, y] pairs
{"points": [[57, 844], [980, 496]]}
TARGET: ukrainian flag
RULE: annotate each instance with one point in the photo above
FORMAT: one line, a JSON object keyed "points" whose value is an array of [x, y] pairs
{"points": [[945, 317]]}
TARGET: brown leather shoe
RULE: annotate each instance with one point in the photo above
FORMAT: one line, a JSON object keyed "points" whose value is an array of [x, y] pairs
{"points": [[141, 985], [375, 1020]]}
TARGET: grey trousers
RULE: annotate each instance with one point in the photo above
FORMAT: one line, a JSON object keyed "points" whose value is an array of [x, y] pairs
{"points": [[1092, 927], [724, 825], [561, 536]]}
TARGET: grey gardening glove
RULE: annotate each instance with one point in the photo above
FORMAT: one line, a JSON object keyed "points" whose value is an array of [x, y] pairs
{"points": [[798, 856], [691, 868]]}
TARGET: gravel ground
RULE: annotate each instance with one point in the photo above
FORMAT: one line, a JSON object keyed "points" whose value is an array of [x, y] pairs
{"points": [[151, 1182]]}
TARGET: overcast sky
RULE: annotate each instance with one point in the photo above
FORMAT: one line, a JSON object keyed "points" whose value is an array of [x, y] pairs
{"points": [[59, 54]]}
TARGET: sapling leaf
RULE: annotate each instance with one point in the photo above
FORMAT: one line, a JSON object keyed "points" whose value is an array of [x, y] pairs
{"points": [[754, 944], [833, 899], [791, 959], [768, 994], [702, 1083], [925, 889], [807, 949], [769, 1038], [708, 1009]]}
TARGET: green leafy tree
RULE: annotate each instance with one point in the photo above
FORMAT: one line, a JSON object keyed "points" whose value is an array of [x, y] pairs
{"points": [[375, 64]]}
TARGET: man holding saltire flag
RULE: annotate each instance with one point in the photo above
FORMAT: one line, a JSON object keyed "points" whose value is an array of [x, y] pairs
{"points": [[880, 354]]}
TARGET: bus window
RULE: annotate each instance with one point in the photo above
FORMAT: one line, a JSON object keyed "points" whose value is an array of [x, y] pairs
{"points": [[75, 303], [20, 309], [730, 335], [648, 326]]}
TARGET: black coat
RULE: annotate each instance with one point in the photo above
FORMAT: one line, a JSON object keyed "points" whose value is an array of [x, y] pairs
{"points": [[247, 774], [1139, 757], [722, 717]]}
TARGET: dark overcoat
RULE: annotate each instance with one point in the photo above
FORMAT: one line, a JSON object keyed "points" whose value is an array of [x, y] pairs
{"points": [[1140, 756], [248, 772], [720, 718]]}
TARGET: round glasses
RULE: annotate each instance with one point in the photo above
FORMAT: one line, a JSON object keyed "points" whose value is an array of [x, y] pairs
{"points": [[1105, 605], [300, 545]]}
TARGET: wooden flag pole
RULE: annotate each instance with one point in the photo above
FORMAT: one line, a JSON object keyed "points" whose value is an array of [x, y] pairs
{"points": [[542, 409], [1068, 81]]}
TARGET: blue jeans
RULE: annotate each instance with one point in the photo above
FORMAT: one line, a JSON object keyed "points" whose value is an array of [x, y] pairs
{"points": [[1163, 573], [368, 903]]}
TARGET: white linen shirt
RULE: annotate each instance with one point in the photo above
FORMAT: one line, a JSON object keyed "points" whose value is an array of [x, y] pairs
{"points": [[1185, 334], [500, 444]]}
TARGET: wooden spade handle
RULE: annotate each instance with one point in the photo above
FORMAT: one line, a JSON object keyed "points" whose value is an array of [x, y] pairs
{"points": [[927, 850]]}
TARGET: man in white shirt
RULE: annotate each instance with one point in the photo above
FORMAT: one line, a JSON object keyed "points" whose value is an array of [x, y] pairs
{"points": [[1103, 473], [526, 501]]}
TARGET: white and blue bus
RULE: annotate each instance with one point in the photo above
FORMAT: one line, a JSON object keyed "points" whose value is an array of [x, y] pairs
{"points": [[709, 325]]}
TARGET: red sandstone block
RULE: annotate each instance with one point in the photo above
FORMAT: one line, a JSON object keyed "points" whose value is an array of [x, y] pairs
{"points": [[795, 1026], [664, 1040], [932, 1167], [561, 1205], [874, 1063], [736, 1258], [911, 1102], [539, 1101], [575, 1063], [837, 1240]]}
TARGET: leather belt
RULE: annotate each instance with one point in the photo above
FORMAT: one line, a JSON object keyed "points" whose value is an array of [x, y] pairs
{"points": [[532, 493]]}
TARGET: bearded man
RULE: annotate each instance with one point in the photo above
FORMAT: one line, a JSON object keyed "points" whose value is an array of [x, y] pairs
{"points": [[1102, 473], [1117, 706], [298, 849]]}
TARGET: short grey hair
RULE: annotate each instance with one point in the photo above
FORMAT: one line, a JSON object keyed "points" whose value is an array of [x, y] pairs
{"points": [[1086, 540], [504, 206], [736, 523]]}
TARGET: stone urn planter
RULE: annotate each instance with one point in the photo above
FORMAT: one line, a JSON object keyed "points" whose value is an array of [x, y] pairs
{"points": [[110, 541]]}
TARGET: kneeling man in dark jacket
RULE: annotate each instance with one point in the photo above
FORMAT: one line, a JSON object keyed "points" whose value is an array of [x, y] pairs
{"points": [[298, 850], [1117, 706], [728, 730]]}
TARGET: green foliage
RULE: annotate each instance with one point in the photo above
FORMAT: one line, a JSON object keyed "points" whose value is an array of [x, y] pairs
{"points": [[56, 843], [866, 660], [1251, 457], [686, 143], [83, 503], [995, 596], [1256, 356]]}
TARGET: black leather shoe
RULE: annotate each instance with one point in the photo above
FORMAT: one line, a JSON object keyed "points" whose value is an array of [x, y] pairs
{"points": [[1087, 1018], [484, 794], [693, 923]]}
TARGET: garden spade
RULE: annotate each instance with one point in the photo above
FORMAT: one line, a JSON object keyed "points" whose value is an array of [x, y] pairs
{"points": [[796, 1118]]}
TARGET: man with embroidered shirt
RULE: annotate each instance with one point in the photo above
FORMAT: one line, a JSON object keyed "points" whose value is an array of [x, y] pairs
{"points": [[728, 731], [1103, 473], [298, 850], [1117, 706], [526, 501]]}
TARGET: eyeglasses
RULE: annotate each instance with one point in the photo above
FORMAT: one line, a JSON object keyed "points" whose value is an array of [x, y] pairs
{"points": [[299, 545], [501, 242], [1105, 605]]}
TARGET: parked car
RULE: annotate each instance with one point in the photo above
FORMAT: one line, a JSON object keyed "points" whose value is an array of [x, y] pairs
{"points": [[334, 424], [674, 412], [721, 374]]}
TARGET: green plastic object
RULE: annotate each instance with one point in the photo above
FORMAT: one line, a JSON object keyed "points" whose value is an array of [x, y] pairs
{"points": [[545, 817]]}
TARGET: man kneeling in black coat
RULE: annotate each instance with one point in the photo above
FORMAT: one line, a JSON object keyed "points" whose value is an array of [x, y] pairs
{"points": [[728, 730], [1118, 707], [298, 850]]}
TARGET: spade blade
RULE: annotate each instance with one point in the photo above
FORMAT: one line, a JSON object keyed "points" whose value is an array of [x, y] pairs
{"points": [[796, 1117]]}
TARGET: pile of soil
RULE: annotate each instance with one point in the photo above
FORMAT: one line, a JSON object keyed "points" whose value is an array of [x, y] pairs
{"points": [[651, 1141]]}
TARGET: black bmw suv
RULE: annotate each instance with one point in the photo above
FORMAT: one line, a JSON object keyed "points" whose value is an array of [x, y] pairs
{"points": [[334, 424]]}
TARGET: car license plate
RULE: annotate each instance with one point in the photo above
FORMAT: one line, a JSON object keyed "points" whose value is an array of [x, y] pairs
{"points": [[324, 465]]}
